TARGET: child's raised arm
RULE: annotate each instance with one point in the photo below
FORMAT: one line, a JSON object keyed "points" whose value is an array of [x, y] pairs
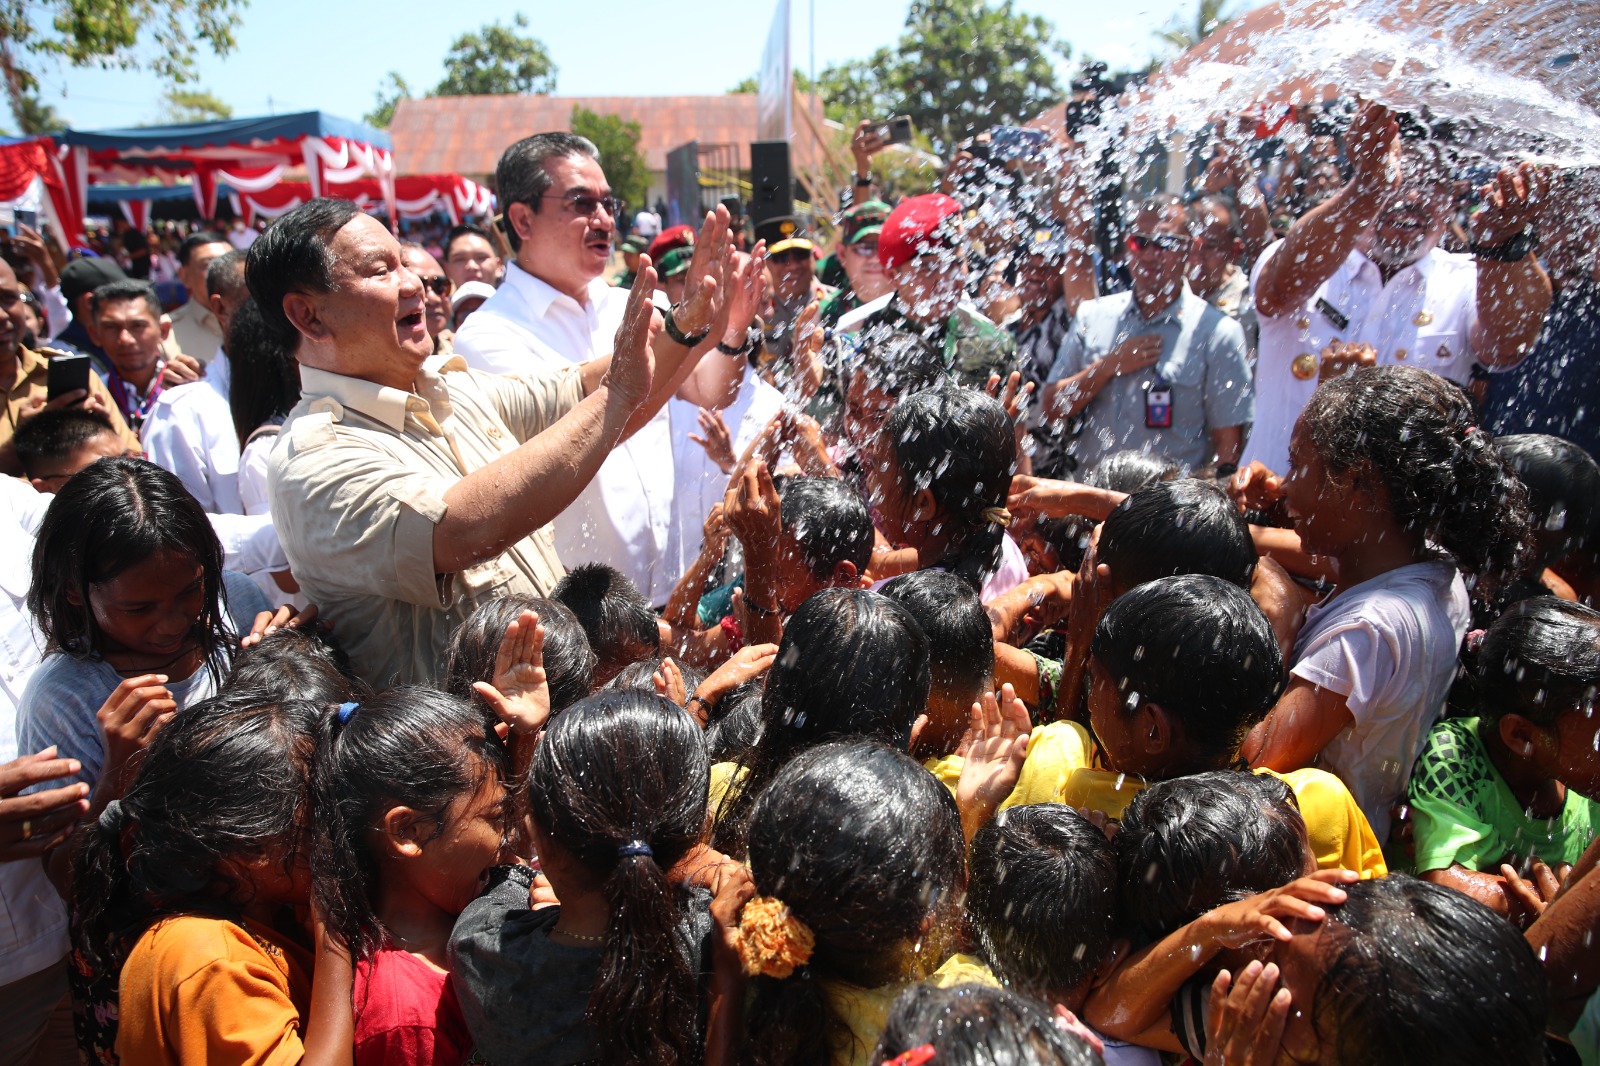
{"points": [[519, 695], [1132, 1004], [1305, 720]]}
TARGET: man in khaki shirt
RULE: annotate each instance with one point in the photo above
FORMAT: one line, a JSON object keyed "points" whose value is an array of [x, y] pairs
{"points": [[408, 489], [195, 330]]}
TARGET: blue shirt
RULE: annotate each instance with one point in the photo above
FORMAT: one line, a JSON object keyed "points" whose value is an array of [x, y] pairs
{"points": [[1202, 361], [1556, 390]]}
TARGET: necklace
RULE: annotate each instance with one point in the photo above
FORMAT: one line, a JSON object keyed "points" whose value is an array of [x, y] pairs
{"points": [[578, 936]]}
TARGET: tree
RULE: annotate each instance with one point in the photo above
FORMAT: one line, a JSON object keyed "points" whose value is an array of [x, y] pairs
{"points": [[34, 116], [1209, 17], [389, 95], [192, 105], [497, 61], [160, 36], [618, 141]]}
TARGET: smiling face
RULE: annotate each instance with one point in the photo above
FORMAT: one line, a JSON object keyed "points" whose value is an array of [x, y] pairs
{"points": [[13, 312], [448, 868], [1329, 513], [861, 266], [1412, 220], [432, 276], [152, 608], [931, 284], [1158, 271], [560, 244], [375, 316]]}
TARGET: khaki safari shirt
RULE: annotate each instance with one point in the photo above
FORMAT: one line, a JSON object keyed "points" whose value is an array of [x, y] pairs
{"points": [[357, 483], [33, 379]]}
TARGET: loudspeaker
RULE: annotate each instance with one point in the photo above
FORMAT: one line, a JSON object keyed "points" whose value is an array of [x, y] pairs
{"points": [[771, 181]]}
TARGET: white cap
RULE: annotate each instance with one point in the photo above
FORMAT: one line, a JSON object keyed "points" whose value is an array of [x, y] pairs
{"points": [[468, 290]]}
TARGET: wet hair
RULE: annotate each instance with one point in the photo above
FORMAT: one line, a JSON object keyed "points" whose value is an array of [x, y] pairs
{"points": [[976, 1025], [960, 638], [1417, 435], [1200, 648], [736, 723], [405, 747], [1417, 974], [617, 770], [226, 778], [640, 676], [266, 381], [225, 274], [1127, 471], [1563, 483], [1161, 204], [614, 614], [523, 176], [568, 662], [53, 435], [466, 229], [830, 521], [1042, 900], [862, 845], [126, 289], [898, 362], [1540, 659], [1186, 526], [303, 662], [197, 239], [294, 255], [112, 515], [960, 445], [1190, 844], [852, 663]]}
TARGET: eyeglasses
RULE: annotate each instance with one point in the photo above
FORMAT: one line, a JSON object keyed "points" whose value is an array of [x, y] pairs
{"points": [[586, 204], [865, 249], [439, 285], [1164, 242], [791, 256]]}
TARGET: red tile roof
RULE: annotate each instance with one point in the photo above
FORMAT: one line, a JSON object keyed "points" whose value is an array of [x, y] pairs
{"points": [[466, 134]]}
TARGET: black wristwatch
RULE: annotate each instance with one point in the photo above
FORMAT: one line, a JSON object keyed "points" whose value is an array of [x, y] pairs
{"points": [[688, 340], [1514, 250], [744, 349]]}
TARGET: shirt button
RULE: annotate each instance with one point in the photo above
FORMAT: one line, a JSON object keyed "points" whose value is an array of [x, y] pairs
{"points": [[1304, 323]]}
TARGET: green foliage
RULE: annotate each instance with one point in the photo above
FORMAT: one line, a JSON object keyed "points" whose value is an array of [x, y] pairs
{"points": [[389, 94], [618, 142], [160, 36], [1209, 17], [497, 61], [34, 116], [192, 105]]}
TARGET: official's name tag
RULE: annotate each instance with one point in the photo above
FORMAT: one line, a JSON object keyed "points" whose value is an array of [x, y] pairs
{"points": [[1158, 407]]}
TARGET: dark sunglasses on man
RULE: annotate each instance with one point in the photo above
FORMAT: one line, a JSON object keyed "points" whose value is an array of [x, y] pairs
{"points": [[1162, 242], [439, 285], [586, 204]]}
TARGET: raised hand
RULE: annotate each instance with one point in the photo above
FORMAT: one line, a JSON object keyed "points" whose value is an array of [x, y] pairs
{"points": [[807, 349], [33, 824], [1014, 396], [1372, 145], [753, 511], [1255, 488], [632, 361], [1245, 1024], [745, 293], [1345, 357], [717, 442], [995, 747], [1511, 203], [702, 285], [752, 660], [129, 720], [519, 694], [669, 683]]}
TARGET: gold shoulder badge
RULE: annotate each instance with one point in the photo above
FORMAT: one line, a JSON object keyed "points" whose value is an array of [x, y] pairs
{"points": [[1304, 366], [1423, 318]]}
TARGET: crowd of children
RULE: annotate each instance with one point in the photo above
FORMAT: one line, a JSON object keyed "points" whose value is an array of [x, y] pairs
{"points": [[939, 767]]}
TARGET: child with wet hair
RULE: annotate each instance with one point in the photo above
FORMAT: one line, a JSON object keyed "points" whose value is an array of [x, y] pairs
{"points": [[1042, 906], [1501, 795], [1392, 478], [974, 1025], [1188, 845], [621, 626], [303, 662], [858, 860], [1563, 483], [568, 661]]}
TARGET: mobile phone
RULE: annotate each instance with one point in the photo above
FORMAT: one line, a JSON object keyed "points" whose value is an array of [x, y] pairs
{"points": [[28, 218], [896, 130], [68, 373], [1015, 142]]}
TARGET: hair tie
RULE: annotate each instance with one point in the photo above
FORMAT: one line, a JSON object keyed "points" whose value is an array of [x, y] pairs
{"points": [[635, 847], [773, 942], [1469, 431], [998, 515], [112, 817], [348, 711], [917, 1056], [1474, 639]]}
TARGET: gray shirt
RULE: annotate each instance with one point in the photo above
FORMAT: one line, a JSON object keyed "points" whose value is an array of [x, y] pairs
{"points": [[1202, 362]]}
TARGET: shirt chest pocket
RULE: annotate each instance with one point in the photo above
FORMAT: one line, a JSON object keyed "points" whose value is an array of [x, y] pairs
{"points": [[476, 581], [1435, 347]]}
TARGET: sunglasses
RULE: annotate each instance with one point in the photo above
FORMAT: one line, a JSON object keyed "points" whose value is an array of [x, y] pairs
{"points": [[1165, 242], [586, 205], [791, 256], [439, 285], [865, 249]]}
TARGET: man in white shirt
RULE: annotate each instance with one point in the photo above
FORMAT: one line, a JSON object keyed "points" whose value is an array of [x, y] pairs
{"points": [[190, 430], [196, 330], [1365, 268], [553, 310]]}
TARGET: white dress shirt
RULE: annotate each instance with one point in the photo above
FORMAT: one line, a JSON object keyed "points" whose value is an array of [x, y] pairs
{"points": [[700, 482], [624, 516], [189, 431], [1423, 317]]}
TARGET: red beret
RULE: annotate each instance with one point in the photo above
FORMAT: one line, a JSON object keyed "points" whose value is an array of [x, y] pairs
{"points": [[675, 237], [915, 225]]}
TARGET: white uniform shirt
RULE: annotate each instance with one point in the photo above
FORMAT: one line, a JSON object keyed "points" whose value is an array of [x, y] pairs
{"points": [[624, 516], [701, 484], [1423, 317], [189, 431]]}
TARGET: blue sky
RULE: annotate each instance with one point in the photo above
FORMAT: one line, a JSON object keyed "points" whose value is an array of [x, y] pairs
{"points": [[331, 55]]}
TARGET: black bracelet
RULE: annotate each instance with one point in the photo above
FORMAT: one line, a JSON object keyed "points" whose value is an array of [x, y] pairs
{"points": [[702, 701], [744, 349], [688, 340], [755, 609], [1513, 250]]}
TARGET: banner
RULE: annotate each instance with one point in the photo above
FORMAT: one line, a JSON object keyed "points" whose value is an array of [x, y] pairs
{"points": [[774, 101]]}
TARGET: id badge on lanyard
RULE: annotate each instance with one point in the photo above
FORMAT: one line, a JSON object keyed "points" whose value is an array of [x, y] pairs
{"points": [[1158, 404]]}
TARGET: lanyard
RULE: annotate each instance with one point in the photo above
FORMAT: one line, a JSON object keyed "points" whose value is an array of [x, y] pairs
{"points": [[134, 407]]}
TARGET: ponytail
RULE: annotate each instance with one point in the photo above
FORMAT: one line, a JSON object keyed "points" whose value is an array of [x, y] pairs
{"points": [[1446, 482], [100, 888], [620, 781]]}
